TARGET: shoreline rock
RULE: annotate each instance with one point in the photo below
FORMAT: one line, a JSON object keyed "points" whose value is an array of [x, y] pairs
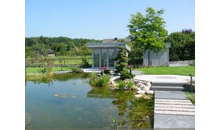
{"points": [[141, 87]]}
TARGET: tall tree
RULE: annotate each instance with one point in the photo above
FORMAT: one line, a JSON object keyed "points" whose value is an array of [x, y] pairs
{"points": [[148, 32]]}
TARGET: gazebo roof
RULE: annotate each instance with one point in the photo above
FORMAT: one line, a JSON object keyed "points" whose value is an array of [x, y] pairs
{"points": [[108, 45]]}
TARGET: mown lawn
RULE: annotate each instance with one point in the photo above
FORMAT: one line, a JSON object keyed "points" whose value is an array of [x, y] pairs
{"points": [[37, 69], [180, 70]]}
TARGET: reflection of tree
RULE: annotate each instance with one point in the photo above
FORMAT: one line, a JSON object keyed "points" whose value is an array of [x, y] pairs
{"points": [[47, 78], [141, 113], [132, 112], [121, 105], [68, 76], [101, 92], [121, 101]]}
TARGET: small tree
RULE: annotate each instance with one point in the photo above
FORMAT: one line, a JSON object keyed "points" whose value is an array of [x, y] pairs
{"points": [[122, 64], [61, 61], [121, 60], [85, 63]]}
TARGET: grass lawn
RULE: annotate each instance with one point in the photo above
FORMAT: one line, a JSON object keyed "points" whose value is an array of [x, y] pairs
{"points": [[180, 70], [191, 97], [37, 69], [66, 60]]}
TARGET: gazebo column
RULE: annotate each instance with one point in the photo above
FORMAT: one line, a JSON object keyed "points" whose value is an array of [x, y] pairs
{"points": [[92, 58], [107, 58], [100, 58]]}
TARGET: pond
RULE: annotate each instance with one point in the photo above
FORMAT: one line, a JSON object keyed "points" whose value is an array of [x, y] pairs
{"points": [[69, 102]]}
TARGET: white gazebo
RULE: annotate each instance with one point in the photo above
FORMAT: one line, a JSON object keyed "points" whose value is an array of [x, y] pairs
{"points": [[103, 54]]}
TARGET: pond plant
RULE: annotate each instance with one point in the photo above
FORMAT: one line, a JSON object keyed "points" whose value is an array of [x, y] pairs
{"points": [[99, 81]]}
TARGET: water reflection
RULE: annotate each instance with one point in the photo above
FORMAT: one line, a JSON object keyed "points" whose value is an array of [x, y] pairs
{"points": [[133, 112], [70, 102], [57, 77]]}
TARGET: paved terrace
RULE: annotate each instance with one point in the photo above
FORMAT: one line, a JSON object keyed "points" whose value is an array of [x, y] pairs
{"points": [[164, 78]]}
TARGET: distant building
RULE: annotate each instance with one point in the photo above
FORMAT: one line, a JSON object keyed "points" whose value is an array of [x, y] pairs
{"points": [[50, 52]]}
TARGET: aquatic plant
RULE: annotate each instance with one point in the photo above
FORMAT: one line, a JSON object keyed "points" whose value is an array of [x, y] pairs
{"points": [[101, 81], [130, 85], [121, 85]]}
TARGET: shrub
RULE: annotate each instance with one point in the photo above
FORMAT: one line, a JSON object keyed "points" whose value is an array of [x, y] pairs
{"points": [[101, 81], [121, 85], [130, 85], [126, 75], [85, 63], [93, 79], [45, 70]]}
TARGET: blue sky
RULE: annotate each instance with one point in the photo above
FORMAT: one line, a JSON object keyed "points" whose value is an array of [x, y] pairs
{"points": [[100, 19]]}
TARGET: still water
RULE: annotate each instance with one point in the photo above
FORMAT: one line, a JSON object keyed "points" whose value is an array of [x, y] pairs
{"points": [[69, 102]]}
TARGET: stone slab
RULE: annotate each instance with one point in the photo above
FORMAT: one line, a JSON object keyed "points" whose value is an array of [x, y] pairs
{"points": [[170, 95]]}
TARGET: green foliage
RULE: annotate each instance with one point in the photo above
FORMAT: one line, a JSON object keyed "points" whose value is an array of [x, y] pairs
{"points": [[85, 63], [45, 70], [121, 85], [148, 31], [60, 49], [27, 52], [77, 70], [122, 64], [125, 74], [130, 85], [136, 57], [182, 46], [101, 81], [61, 45], [121, 60], [93, 78], [191, 97], [37, 50]]}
